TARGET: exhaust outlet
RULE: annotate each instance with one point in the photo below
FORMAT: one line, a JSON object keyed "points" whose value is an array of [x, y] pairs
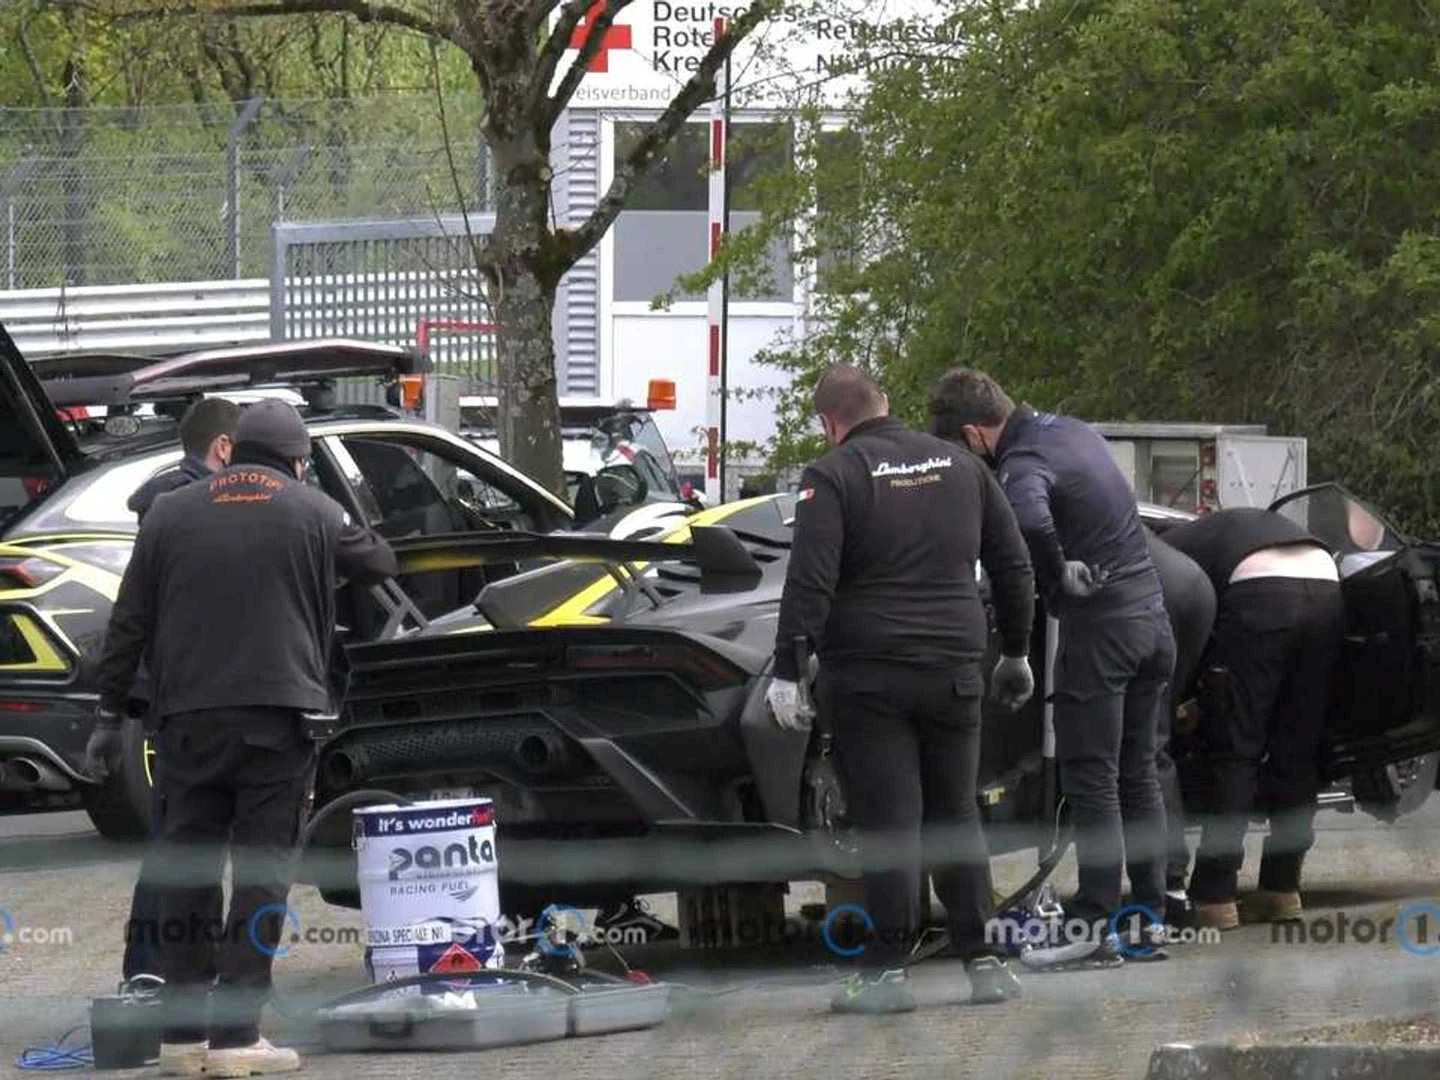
{"points": [[28, 774], [542, 752], [341, 769]]}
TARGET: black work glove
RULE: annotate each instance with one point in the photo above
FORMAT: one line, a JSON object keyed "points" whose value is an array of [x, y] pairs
{"points": [[1012, 682], [103, 751]]}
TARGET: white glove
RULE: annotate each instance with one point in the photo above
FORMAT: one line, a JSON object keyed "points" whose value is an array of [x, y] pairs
{"points": [[1078, 580], [786, 707], [1012, 682]]}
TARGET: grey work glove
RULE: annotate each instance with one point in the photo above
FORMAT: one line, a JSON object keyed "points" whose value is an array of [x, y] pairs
{"points": [[105, 747], [1078, 580], [1012, 682], [789, 711]]}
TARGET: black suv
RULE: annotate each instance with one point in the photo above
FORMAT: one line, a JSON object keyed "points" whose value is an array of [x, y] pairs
{"points": [[66, 534]]}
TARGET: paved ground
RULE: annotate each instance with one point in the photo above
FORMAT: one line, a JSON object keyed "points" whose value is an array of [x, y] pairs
{"points": [[746, 1015]]}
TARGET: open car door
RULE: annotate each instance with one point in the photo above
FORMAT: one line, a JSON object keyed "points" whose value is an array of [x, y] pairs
{"points": [[37, 451], [1386, 693]]}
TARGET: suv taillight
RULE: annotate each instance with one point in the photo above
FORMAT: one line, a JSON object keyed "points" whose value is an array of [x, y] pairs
{"points": [[28, 572]]}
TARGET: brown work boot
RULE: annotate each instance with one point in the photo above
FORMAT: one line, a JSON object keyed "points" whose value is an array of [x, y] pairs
{"points": [[182, 1059], [1222, 915], [260, 1059], [1263, 905]]}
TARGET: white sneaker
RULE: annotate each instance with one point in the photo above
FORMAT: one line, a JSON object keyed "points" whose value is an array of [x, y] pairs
{"points": [[182, 1059], [261, 1059]]}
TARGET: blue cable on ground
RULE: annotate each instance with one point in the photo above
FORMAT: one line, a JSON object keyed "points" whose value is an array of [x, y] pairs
{"points": [[56, 1057]]}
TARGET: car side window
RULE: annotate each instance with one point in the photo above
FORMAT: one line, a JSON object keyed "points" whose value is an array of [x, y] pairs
{"points": [[406, 483], [418, 492], [647, 434]]}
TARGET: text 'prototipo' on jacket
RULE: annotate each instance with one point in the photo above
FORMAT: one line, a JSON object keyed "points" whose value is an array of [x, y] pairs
{"points": [[229, 594], [889, 526]]}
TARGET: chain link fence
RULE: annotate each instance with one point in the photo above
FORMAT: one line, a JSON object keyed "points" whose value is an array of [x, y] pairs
{"points": [[101, 196]]}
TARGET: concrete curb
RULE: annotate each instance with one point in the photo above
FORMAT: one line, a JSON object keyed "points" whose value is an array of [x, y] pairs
{"points": [[1295, 1061]]}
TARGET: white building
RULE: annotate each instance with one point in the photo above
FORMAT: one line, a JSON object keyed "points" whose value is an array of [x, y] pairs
{"points": [[614, 342]]}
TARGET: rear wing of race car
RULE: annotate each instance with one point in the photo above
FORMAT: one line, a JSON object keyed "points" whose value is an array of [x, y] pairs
{"points": [[723, 562], [123, 379]]}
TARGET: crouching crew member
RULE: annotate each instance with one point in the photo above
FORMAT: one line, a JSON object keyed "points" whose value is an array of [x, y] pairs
{"points": [[881, 584], [1190, 600], [1278, 631], [229, 594], [1116, 651]]}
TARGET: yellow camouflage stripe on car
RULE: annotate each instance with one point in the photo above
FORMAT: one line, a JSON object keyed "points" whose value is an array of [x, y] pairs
{"points": [[572, 612], [47, 660], [105, 582]]}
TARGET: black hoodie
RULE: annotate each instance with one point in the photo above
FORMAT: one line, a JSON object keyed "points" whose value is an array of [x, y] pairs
{"points": [[190, 469]]}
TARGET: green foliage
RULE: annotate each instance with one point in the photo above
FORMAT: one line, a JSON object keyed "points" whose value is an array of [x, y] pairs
{"points": [[113, 142], [168, 59], [1154, 209]]}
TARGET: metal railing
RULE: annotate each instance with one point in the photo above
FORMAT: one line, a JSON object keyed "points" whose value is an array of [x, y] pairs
{"points": [[139, 318]]}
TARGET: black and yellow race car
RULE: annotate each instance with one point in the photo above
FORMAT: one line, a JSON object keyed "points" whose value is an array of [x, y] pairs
{"points": [[615, 698]]}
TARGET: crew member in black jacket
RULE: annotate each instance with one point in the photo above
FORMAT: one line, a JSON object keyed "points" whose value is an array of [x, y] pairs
{"points": [[207, 435], [1279, 627], [229, 594], [881, 585], [1116, 651]]}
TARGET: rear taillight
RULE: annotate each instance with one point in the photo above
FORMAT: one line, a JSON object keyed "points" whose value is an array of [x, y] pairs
{"points": [[20, 707], [35, 486], [27, 572]]}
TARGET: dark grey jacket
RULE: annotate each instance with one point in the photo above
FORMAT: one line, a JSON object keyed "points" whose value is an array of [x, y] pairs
{"points": [[229, 595]]}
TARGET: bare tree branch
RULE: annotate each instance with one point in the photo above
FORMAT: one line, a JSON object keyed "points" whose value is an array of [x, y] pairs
{"points": [[361, 10], [691, 96], [555, 47], [32, 62]]}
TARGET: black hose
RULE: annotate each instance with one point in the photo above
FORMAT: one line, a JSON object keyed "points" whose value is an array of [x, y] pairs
{"points": [[344, 802]]}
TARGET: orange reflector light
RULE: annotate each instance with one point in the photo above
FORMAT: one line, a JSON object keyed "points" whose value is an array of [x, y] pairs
{"points": [[411, 387], [661, 394]]}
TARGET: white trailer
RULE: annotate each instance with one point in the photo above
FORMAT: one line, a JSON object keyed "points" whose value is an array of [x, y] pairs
{"points": [[1200, 467]]}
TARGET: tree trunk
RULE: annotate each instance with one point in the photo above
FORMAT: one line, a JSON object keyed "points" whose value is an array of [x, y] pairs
{"points": [[523, 284]]}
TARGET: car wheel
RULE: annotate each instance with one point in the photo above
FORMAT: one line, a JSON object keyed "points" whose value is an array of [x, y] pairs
{"points": [[120, 808]]}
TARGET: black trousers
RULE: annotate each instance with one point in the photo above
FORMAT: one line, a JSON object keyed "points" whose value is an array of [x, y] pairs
{"points": [[233, 780], [907, 740], [1112, 674], [1177, 850], [1191, 635], [1279, 638], [142, 930]]}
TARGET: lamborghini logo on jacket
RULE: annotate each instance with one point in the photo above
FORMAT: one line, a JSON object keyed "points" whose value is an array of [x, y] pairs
{"points": [[911, 468]]}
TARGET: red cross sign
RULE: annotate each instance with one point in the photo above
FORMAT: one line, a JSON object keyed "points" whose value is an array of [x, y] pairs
{"points": [[615, 37]]}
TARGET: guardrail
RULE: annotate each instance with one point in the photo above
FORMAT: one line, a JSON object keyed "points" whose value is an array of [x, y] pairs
{"points": [[200, 314], [141, 318]]}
